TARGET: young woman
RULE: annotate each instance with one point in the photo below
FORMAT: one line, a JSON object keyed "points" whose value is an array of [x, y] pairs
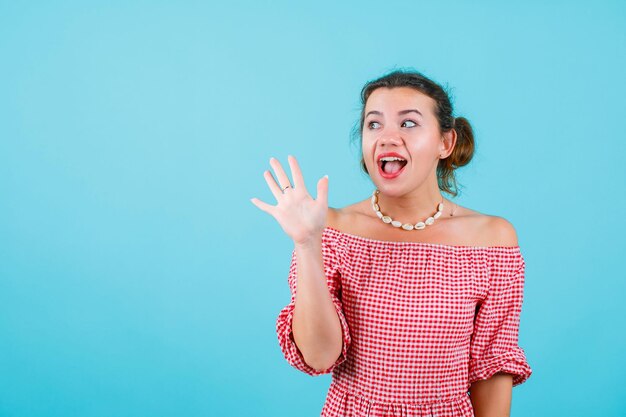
{"points": [[410, 300]]}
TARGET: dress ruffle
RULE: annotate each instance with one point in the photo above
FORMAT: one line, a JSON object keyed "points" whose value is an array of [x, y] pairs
{"points": [[340, 402], [512, 362], [284, 321], [290, 349]]}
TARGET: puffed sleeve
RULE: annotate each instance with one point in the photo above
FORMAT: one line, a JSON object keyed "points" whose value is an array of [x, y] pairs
{"points": [[285, 317], [494, 343]]}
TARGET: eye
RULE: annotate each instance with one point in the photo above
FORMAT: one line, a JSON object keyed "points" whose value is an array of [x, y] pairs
{"points": [[410, 121], [369, 125]]}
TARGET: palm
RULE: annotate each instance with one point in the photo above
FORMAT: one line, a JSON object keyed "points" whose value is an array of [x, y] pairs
{"points": [[301, 217]]}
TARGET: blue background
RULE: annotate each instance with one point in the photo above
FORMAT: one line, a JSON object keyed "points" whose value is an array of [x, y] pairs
{"points": [[137, 278]]}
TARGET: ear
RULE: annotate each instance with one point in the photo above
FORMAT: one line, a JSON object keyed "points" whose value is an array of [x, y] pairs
{"points": [[447, 143]]}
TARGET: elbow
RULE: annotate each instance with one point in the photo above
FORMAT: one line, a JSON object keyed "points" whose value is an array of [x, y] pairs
{"points": [[323, 352], [321, 364], [324, 360]]}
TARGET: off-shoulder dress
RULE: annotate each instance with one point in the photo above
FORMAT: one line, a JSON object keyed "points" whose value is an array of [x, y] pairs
{"points": [[421, 322]]}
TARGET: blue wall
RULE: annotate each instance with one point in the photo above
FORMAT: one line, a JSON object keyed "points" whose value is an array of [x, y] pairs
{"points": [[137, 279]]}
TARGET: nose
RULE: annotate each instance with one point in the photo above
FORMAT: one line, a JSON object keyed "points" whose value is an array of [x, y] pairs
{"points": [[390, 135], [390, 139]]}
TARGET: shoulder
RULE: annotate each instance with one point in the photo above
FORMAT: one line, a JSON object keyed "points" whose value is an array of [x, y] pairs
{"points": [[489, 230], [344, 217], [501, 231], [333, 217], [484, 229]]}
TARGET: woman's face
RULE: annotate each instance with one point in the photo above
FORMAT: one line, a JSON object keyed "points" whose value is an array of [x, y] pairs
{"points": [[401, 120]]}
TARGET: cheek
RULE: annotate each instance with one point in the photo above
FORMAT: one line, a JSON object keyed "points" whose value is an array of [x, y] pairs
{"points": [[424, 146], [367, 147]]}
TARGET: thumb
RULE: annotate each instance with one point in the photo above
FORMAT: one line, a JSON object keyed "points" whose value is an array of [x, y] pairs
{"points": [[322, 190]]}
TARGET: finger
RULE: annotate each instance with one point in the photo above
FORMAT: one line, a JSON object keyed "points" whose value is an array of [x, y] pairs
{"points": [[322, 191], [262, 205], [283, 179], [296, 173], [271, 182]]}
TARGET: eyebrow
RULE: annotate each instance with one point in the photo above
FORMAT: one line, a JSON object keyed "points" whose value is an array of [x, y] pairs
{"points": [[401, 112]]}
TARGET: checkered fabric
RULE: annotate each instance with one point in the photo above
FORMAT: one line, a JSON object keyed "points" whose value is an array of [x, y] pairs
{"points": [[421, 322]]}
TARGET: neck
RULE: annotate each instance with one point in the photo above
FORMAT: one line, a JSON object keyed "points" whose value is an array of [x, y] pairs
{"points": [[412, 207]]}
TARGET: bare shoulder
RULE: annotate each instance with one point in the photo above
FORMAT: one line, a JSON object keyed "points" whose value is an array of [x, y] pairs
{"points": [[333, 218], [489, 230], [344, 218], [501, 231]]}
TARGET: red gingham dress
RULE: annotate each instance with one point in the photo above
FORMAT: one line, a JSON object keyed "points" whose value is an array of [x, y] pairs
{"points": [[421, 322]]}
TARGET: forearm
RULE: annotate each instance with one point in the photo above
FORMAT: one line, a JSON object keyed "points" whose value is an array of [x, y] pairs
{"points": [[316, 326], [492, 397]]}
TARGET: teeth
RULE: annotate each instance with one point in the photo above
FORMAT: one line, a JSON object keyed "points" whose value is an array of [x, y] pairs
{"points": [[391, 158]]}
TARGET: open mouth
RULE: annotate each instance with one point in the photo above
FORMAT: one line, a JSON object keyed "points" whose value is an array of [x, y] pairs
{"points": [[391, 169]]}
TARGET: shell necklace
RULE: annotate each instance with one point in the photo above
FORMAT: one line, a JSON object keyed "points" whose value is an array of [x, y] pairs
{"points": [[405, 226]]}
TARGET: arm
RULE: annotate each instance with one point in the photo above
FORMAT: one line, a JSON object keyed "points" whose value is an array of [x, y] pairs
{"points": [[316, 325], [494, 348], [312, 329], [492, 397], [312, 325]]}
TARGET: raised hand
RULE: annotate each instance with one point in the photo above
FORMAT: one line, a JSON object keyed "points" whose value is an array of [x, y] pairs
{"points": [[302, 218]]}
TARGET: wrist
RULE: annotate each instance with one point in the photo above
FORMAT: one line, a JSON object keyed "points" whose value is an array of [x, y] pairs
{"points": [[311, 243]]}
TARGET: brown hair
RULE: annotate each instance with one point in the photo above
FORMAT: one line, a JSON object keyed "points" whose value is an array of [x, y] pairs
{"points": [[463, 149]]}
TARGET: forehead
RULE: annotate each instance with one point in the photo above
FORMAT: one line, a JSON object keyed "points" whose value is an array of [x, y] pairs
{"points": [[388, 100]]}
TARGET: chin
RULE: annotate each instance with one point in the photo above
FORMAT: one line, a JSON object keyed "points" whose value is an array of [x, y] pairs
{"points": [[393, 190]]}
